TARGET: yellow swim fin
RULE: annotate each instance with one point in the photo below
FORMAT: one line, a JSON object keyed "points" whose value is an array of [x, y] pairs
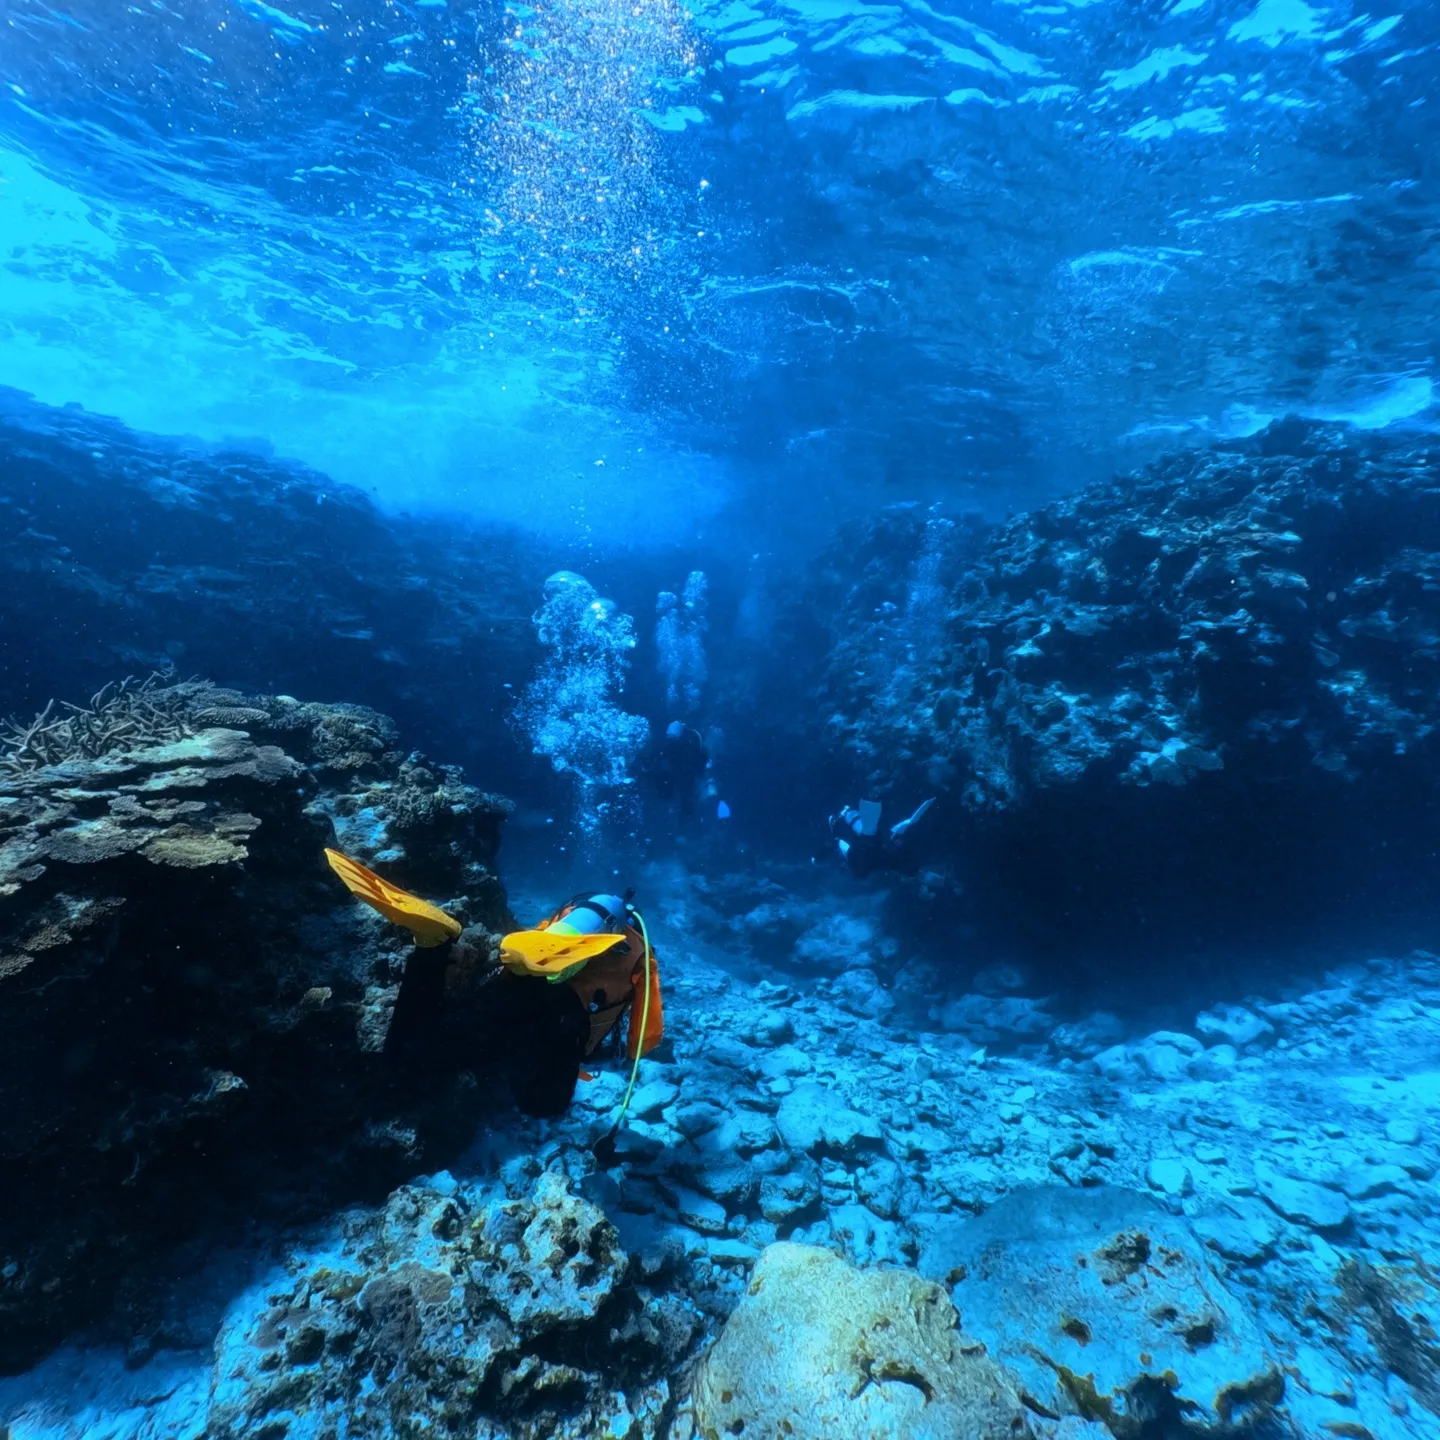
{"points": [[429, 924], [544, 952]]}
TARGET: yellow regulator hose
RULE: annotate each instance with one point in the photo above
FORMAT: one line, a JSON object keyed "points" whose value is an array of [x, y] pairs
{"points": [[644, 1019], [605, 1147]]}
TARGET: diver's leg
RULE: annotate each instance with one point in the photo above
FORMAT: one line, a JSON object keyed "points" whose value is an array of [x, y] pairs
{"points": [[417, 1023], [545, 1029]]}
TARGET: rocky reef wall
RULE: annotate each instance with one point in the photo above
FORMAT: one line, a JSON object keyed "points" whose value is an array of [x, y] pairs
{"points": [[193, 1013], [124, 553], [1191, 706], [1179, 714]]}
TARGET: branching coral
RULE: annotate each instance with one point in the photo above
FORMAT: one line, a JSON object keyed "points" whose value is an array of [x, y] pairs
{"points": [[123, 716]]}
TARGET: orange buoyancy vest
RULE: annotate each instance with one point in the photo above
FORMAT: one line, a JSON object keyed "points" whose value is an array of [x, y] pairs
{"points": [[614, 980]]}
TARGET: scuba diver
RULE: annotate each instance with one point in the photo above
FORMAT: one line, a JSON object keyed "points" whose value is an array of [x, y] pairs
{"points": [[571, 980], [866, 848], [677, 767], [563, 990]]}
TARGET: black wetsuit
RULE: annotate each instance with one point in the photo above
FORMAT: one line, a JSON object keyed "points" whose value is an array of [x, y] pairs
{"points": [[677, 769], [521, 1026], [866, 854], [544, 1028]]}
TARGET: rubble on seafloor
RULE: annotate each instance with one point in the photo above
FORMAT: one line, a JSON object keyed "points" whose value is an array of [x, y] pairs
{"points": [[827, 1222]]}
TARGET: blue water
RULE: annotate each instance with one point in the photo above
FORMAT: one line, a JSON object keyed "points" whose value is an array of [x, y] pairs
{"points": [[681, 256]]}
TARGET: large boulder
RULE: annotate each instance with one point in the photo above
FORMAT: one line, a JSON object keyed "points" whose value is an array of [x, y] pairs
{"points": [[818, 1350], [192, 1010], [453, 1312], [1106, 1307]]}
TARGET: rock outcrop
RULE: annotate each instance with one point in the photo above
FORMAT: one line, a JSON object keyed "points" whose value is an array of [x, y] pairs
{"points": [[442, 1314], [818, 1350], [1198, 701], [191, 1010]]}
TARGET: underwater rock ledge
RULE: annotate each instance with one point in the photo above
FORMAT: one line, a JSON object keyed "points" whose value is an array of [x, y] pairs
{"points": [[124, 551], [1232, 656], [192, 1013]]}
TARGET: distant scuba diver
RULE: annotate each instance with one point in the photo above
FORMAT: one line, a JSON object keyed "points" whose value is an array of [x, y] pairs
{"points": [[565, 987], [866, 848], [677, 768]]}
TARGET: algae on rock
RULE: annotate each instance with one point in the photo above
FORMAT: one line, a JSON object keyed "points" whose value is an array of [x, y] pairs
{"points": [[1105, 1306], [818, 1350], [441, 1314]]}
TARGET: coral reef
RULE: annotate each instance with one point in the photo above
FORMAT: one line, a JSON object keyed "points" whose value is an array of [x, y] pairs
{"points": [[1223, 1227], [127, 552], [119, 716], [190, 1012], [1231, 656], [1171, 709], [441, 1314], [1166, 626]]}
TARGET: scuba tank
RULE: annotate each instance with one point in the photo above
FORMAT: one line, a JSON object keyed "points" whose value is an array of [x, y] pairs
{"points": [[593, 915]]}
